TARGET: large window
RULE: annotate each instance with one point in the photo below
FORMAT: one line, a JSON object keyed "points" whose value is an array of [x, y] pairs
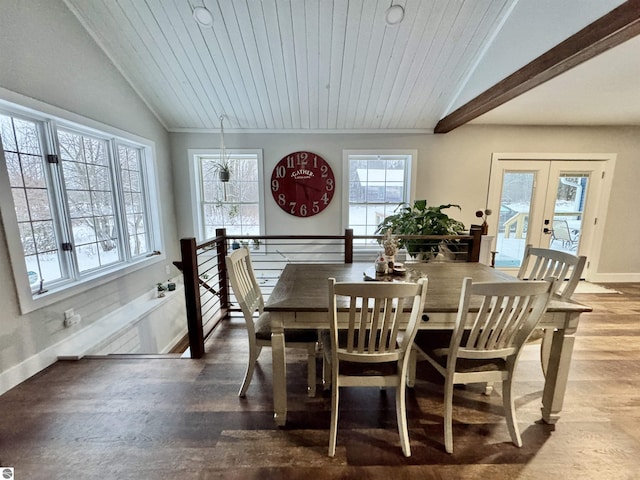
{"points": [[234, 204], [378, 182], [81, 202]]}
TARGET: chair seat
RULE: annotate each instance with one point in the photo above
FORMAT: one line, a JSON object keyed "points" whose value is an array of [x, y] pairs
{"points": [[356, 368], [435, 344], [263, 332]]}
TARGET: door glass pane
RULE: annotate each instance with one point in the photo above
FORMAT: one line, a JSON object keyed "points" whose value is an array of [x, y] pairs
{"points": [[571, 194], [513, 219]]}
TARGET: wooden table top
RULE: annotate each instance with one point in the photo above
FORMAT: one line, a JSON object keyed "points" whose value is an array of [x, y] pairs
{"points": [[303, 287]]}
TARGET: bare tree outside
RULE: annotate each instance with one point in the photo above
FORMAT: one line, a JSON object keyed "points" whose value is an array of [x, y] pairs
{"points": [[90, 198]]}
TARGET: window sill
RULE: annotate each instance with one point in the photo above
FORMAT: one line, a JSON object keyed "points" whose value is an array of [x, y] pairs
{"points": [[30, 302]]}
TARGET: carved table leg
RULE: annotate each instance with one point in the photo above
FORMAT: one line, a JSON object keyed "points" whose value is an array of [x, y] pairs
{"points": [[279, 370], [557, 375]]}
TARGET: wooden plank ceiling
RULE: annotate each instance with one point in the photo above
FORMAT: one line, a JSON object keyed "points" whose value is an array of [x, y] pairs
{"points": [[296, 65]]}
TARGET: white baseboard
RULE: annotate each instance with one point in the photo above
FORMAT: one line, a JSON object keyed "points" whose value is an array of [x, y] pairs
{"points": [[615, 278], [86, 340]]}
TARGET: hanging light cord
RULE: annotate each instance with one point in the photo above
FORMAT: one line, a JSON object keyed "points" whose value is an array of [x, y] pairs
{"points": [[222, 137]]}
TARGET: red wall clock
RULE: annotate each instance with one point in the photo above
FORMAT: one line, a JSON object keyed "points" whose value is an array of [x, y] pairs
{"points": [[302, 184]]}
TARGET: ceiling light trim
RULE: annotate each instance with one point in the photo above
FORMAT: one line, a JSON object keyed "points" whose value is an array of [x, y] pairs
{"points": [[394, 14], [203, 17]]}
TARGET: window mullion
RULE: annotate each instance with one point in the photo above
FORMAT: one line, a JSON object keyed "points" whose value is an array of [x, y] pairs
{"points": [[57, 195], [121, 218]]}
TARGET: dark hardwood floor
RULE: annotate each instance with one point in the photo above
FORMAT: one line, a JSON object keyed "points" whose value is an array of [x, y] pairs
{"points": [[160, 418]]}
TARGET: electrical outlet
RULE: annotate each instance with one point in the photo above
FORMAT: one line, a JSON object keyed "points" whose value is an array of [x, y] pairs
{"points": [[72, 320], [167, 269]]}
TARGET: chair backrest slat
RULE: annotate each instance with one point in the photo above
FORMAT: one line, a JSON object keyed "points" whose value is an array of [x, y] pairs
{"points": [[243, 282], [540, 263], [508, 313], [377, 313]]}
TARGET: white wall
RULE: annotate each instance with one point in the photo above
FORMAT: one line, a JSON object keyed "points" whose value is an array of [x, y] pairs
{"points": [[452, 168], [46, 56]]}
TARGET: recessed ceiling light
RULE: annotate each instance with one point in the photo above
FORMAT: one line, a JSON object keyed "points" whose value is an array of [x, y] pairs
{"points": [[203, 16], [394, 15]]}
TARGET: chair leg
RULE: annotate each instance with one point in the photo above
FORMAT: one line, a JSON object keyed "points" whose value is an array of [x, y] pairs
{"points": [[510, 411], [411, 372], [448, 415], [311, 370], [401, 414], [254, 353], [333, 429]]}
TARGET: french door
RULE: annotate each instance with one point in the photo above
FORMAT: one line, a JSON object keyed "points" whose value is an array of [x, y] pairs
{"points": [[550, 203]]}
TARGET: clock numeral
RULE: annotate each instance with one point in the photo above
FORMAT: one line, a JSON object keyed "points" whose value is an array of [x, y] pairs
{"points": [[292, 206], [329, 184], [275, 185], [302, 159], [289, 162], [325, 198], [315, 162], [281, 171], [324, 169], [281, 200], [303, 210], [315, 208]]}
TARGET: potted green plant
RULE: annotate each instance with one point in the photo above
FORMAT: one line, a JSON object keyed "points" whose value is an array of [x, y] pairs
{"points": [[224, 171], [420, 219]]}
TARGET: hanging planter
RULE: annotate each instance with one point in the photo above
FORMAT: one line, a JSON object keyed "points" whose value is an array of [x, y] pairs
{"points": [[223, 168], [224, 174]]}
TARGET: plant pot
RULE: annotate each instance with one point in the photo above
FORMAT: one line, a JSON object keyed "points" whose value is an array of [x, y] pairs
{"points": [[224, 176]]}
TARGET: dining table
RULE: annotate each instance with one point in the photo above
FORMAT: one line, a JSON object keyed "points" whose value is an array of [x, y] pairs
{"points": [[300, 300]]}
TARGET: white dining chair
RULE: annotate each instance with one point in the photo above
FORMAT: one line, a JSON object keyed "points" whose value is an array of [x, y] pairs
{"points": [[484, 346], [540, 263], [249, 296], [372, 351]]}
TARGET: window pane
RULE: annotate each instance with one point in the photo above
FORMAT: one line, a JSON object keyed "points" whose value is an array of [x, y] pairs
{"points": [[27, 237], [14, 170], [44, 236], [38, 201], [33, 171], [87, 257], [79, 204], [27, 137], [28, 178], [6, 132], [90, 199], [133, 193], [377, 184], [20, 203], [82, 232]]}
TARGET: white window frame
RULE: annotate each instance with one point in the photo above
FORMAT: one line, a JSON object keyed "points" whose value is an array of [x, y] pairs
{"points": [[51, 118], [409, 182], [195, 181]]}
